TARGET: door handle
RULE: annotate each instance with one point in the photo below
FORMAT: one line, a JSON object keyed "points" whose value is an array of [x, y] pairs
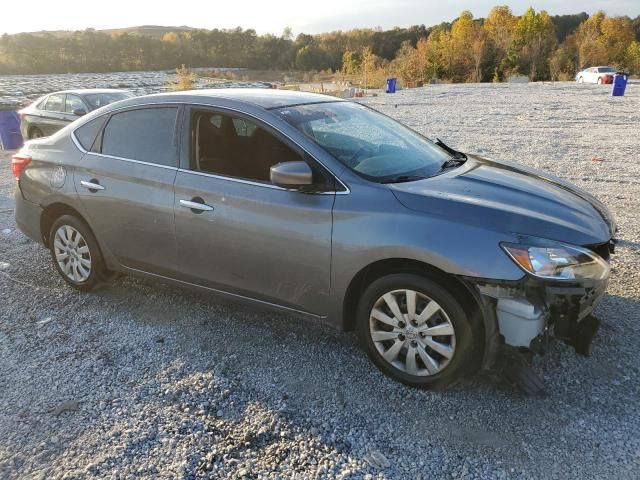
{"points": [[196, 205], [92, 185]]}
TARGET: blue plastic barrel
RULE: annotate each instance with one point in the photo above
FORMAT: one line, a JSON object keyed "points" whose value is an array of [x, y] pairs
{"points": [[619, 85], [10, 136], [391, 85]]}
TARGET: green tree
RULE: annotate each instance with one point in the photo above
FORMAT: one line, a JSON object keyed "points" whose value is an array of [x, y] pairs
{"points": [[407, 63], [533, 42], [350, 62], [368, 65], [632, 59], [499, 27]]}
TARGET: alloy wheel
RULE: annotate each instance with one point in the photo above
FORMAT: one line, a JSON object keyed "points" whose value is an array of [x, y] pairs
{"points": [[412, 332], [72, 254]]}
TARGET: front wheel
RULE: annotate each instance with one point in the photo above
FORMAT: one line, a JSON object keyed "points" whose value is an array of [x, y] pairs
{"points": [[599, 81], [415, 331], [75, 253], [580, 80]]}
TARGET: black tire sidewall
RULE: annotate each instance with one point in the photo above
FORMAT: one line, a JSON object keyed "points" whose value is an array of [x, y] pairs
{"points": [[461, 324], [97, 264]]}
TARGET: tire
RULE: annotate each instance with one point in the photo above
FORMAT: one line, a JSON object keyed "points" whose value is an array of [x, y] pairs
{"points": [[580, 80], [35, 132], [81, 266], [434, 370], [599, 81]]}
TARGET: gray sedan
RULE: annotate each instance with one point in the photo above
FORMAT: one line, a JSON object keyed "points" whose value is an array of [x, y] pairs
{"points": [[327, 209], [56, 110]]}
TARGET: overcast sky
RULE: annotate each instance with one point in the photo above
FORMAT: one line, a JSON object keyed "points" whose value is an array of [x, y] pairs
{"points": [[270, 16]]}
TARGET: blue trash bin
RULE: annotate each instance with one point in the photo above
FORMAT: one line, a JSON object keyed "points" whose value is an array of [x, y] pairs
{"points": [[619, 85], [10, 136], [391, 85]]}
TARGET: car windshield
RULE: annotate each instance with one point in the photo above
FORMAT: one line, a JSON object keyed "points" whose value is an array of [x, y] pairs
{"points": [[607, 70], [97, 100], [369, 143]]}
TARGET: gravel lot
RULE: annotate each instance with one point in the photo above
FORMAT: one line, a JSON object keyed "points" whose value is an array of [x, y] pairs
{"points": [[144, 380]]}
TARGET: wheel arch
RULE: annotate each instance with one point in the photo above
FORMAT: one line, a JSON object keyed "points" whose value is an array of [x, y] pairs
{"points": [[470, 299], [54, 211]]}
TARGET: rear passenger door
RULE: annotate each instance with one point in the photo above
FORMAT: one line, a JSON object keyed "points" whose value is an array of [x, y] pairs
{"points": [[125, 183]]}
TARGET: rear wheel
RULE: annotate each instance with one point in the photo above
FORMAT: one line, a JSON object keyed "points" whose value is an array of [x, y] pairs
{"points": [[75, 253], [580, 80], [415, 331], [35, 132]]}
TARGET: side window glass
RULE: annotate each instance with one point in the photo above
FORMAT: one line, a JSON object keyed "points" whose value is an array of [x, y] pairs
{"points": [[146, 135], [88, 132], [55, 103], [236, 147], [244, 128], [74, 103]]}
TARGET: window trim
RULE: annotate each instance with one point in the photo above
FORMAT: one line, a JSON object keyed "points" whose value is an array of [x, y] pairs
{"points": [[261, 123], [180, 133], [96, 148]]}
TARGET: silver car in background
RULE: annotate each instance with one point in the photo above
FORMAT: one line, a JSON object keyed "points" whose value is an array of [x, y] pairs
{"points": [[56, 110], [327, 209]]}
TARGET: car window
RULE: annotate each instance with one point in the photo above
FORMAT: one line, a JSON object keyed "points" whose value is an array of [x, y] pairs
{"points": [[97, 100], [236, 147], [369, 143], [145, 134], [74, 103], [55, 103], [243, 127], [88, 132]]}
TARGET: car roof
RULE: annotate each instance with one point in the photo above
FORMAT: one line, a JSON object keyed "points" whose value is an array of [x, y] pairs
{"points": [[261, 97], [85, 91]]}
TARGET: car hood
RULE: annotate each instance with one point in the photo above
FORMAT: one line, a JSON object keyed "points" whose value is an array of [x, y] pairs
{"points": [[503, 196]]}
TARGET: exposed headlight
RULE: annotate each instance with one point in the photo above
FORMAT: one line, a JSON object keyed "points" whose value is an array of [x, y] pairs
{"points": [[558, 262]]}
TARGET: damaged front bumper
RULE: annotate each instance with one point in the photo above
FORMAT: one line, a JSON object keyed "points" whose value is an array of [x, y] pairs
{"points": [[518, 313]]}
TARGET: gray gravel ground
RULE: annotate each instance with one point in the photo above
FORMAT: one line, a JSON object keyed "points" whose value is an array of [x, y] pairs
{"points": [[144, 380]]}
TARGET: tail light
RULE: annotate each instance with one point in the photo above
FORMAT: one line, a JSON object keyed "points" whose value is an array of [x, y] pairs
{"points": [[18, 163]]}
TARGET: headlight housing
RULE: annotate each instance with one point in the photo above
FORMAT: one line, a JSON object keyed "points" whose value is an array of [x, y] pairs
{"points": [[558, 261]]}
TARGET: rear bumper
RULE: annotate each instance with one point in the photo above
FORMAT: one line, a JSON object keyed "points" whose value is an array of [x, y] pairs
{"points": [[28, 216]]}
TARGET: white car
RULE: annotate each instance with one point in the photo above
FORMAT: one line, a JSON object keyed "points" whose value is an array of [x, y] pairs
{"points": [[597, 75]]}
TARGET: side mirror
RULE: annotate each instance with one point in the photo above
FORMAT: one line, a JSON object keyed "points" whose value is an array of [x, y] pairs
{"points": [[78, 112], [291, 174]]}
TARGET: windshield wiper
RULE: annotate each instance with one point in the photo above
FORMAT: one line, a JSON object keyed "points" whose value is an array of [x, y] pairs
{"points": [[454, 153], [404, 178], [452, 163]]}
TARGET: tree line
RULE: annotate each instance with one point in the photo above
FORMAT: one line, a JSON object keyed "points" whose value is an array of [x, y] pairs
{"points": [[535, 44]]}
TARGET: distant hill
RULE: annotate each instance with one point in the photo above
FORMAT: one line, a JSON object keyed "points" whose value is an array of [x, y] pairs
{"points": [[152, 31]]}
